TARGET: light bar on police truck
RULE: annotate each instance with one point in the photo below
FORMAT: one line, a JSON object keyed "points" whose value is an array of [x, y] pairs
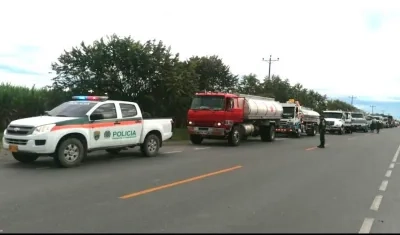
{"points": [[85, 97]]}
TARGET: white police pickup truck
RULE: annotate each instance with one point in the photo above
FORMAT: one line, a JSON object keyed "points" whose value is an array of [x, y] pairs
{"points": [[88, 123]]}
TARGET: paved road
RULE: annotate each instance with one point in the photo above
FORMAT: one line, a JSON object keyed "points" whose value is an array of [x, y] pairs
{"points": [[286, 186]]}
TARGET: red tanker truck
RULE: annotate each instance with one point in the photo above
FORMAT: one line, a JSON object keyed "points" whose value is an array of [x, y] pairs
{"points": [[217, 115]]}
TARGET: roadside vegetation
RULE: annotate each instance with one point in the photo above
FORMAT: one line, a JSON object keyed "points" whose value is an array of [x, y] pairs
{"points": [[150, 74]]}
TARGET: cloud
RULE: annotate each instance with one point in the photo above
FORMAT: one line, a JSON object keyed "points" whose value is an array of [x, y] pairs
{"points": [[11, 69], [324, 45], [374, 21]]}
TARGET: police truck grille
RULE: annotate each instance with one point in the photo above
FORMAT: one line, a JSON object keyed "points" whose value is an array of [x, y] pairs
{"points": [[329, 122], [19, 130], [16, 141]]}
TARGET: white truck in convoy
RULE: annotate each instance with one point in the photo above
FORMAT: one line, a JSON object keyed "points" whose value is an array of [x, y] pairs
{"points": [[88, 123], [297, 119], [336, 122], [359, 122]]}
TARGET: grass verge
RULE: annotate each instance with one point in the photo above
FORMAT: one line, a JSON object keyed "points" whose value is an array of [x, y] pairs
{"points": [[180, 134]]}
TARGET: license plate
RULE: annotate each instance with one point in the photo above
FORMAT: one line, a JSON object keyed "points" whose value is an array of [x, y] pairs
{"points": [[13, 148], [203, 132]]}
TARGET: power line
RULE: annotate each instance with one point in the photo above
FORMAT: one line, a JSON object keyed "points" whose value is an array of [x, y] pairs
{"points": [[270, 60], [372, 107], [352, 98]]}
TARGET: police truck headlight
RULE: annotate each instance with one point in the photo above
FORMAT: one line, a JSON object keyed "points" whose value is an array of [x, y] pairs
{"points": [[43, 129]]}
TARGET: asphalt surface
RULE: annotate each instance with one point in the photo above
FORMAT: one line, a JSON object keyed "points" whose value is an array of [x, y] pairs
{"points": [[285, 186]]}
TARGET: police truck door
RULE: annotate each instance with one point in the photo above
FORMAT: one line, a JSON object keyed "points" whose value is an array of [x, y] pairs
{"points": [[131, 122], [101, 131]]}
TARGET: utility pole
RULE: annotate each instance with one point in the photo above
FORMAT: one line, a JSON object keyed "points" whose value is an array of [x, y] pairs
{"points": [[352, 98], [270, 60], [372, 106]]}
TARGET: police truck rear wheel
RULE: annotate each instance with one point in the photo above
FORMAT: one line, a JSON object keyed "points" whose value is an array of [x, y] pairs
{"points": [[25, 158], [150, 146], [69, 153]]}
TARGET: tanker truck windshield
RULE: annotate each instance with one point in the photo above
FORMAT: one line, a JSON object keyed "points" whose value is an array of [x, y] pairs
{"points": [[208, 102], [333, 115], [357, 115], [288, 112]]}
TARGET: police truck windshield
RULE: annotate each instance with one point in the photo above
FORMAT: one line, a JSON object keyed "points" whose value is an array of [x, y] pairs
{"points": [[72, 109], [208, 102], [288, 112], [333, 115]]}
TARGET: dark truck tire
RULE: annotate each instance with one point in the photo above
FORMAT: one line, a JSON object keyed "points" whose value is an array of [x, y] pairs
{"points": [[69, 153], [267, 133], [196, 139], [234, 137], [150, 146], [312, 132], [341, 131], [25, 157]]}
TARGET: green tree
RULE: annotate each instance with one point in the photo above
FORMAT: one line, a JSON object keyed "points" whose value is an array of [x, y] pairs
{"points": [[213, 74]]}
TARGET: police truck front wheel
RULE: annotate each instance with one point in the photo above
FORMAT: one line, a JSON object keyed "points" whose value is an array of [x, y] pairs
{"points": [[69, 153], [25, 157], [150, 146]]}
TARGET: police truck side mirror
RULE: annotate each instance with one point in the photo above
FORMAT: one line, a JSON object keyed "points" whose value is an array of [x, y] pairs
{"points": [[96, 116]]}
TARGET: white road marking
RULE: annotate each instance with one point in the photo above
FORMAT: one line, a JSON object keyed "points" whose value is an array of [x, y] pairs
{"points": [[279, 139], [383, 185], [396, 154], [351, 138], [391, 165], [172, 152], [388, 173], [376, 203], [366, 226], [201, 148]]}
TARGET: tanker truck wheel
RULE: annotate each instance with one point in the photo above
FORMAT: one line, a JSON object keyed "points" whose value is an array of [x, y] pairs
{"points": [[196, 139], [234, 136], [312, 132], [267, 133]]}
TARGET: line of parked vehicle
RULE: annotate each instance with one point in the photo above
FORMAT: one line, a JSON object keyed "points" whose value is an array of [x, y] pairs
{"points": [[218, 115], [90, 123]]}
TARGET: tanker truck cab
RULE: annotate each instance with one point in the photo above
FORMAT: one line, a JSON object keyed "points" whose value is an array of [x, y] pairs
{"points": [[335, 121], [290, 123], [297, 119], [348, 122], [359, 122], [88, 123], [218, 115]]}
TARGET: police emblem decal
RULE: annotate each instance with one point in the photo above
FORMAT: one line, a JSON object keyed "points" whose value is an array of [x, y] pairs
{"points": [[96, 135], [107, 134]]}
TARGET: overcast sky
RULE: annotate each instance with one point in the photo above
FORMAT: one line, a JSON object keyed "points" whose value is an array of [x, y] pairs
{"points": [[337, 47]]}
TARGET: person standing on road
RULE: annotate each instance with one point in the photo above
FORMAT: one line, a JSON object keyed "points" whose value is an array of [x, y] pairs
{"points": [[373, 125], [322, 130], [378, 126]]}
